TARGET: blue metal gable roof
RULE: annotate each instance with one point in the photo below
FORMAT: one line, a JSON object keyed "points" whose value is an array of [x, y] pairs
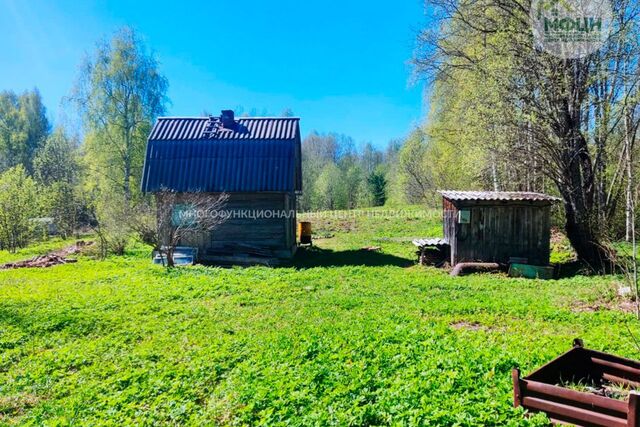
{"points": [[260, 154]]}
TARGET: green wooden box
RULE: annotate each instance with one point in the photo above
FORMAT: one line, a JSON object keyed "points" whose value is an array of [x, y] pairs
{"points": [[531, 271]]}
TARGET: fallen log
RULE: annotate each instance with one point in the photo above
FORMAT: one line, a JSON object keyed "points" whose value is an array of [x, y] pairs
{"points": [[474, 267]]}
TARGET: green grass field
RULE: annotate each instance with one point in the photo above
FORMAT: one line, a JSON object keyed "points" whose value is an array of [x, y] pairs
{"points": [[342, 337]]}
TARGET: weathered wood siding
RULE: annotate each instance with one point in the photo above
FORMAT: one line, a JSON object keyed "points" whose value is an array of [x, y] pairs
{"points": [[257, 220], [450, 218], [497, 232]]}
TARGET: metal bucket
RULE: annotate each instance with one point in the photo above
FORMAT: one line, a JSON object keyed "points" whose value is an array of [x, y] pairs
{"points": [[304, 233]]}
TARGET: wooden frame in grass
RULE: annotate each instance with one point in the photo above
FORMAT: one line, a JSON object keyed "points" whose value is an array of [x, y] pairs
{"points": [[542, 390]]}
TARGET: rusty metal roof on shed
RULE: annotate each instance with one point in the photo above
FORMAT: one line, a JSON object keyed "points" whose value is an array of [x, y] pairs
{"points": [[498, 196], [258, 154]]}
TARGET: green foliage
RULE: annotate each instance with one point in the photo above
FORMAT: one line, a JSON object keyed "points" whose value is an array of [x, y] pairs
{"points": [[23, 128], [329, 189], [336, 175], [124, 342], [459, 153], [18, 206], [57, 169], [352, 181], [113, 214], [317, 152], [63, 204], [506, 115], [414, 169], [377, 186], [57, 160], [120, 92]]}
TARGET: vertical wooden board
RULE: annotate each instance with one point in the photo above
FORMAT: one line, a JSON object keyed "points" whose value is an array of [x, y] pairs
{"points": [[450, 230], [493, 226], [481, 246], [287, 221], [633, 413], [291, 222], [517, 394], [492, 232], [546, 235], [294, 220], [461, 240]]}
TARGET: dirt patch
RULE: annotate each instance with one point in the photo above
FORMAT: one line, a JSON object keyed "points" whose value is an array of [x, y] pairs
{"points": [[557, 236], [623, 305], [324, 227], [469, 326], [16, 405], [52, 258]]}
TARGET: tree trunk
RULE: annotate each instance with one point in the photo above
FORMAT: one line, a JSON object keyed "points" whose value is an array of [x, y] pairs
{"points": [[579, 193], [494, 172], [628, 156], [578, 183], [127, 180], [170, 262], [585, 241], [127, 161]]}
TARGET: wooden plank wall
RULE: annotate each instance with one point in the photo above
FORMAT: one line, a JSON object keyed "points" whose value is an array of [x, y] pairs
{"points": [[496, 233], [450, 221], [268, 232]]}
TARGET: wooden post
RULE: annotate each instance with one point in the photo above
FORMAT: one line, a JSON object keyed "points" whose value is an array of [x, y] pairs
{"points": [[517, 396], [633, 414]]}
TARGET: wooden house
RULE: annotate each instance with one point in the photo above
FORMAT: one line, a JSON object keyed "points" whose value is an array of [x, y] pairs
{"points": [[256, 161], [500, 227]]}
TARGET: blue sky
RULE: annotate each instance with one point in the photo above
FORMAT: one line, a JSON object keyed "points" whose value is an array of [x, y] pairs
{"points": [[339, 65]]}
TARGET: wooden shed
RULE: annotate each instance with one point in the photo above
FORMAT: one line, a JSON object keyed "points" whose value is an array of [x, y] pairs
{"points": [[256, 161], [502, 227]]}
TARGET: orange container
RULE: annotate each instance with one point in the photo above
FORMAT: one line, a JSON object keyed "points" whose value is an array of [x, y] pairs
{"points": [[304, 232]]}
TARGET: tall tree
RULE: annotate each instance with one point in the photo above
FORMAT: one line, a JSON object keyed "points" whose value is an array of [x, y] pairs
{"points": [[37, 125], [18, 206], [416, 174], [120, 91], [377, 185], [23, 128], [317, 151], [330, 190], [57, 170], [57, 160]]}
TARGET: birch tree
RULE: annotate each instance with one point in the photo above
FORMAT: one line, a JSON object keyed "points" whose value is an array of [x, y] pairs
{"points": [[120, 91]]}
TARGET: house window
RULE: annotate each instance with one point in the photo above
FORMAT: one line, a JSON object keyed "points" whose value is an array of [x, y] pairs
{"points": [[464, 216], [184, 215]]}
